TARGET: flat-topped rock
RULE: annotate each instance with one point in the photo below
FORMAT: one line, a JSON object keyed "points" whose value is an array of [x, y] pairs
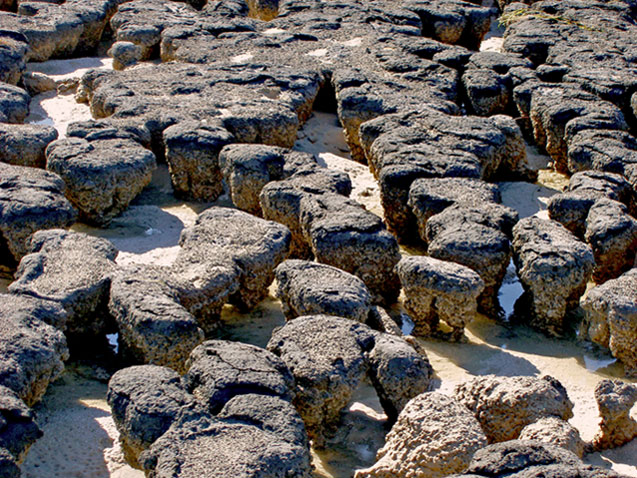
{"points": [[154, 328], [435, 435], [553, 267], [32, 350], [24, 145], [505, 405], [309, 288], [437, 291], [30, 200], [73, 269]]}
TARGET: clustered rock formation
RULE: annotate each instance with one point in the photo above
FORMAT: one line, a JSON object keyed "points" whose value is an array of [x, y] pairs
{"points": [[222, 107]]}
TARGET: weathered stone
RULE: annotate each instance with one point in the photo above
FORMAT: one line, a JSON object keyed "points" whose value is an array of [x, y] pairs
{"points": [[14, 104], [103, 173], [73, 269], [615, 399], [612, 234], [220, 370], [436, 291], [8, 466], [32, 351], [124, 54], [13, 50], [611, 315], [30, 200], [554, 431], [154, 328], [505, 405], [435, 435], [553, 267], [18, 430], [38, 83], [24, 145], [145, 400], [308, 288]]}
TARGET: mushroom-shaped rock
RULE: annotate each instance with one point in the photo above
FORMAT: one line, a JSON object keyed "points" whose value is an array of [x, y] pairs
{"points": [[73, 269], [31, 351], [219, 370], [154, 328], [505, 405], [30, 200], [103, 172], [145, 400], [615, 399], [553, 266], [435, 435], [438, 290], [232, 239], [326, 357], [18, 430], [611, 318], [24, 145], [308, 288], [554, 431]]}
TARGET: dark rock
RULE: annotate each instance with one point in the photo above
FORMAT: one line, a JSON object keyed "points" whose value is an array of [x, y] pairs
{"points": [[30, 200], [488, 92], [14, 104], [308, 288], [24, 145], [553, 267], [32, 350], [18, 430], [37, 83], [505, 405], [8, 466], [124, 54], [13, 51], [73, 269]]}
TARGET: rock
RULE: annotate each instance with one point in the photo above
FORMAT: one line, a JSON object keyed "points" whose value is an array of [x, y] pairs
{"points": [[344, 234], [18, 430], [103, 172], [430, 196], [192, 153], [526, 458], [75, 270], [612, 234], [31, 351], [326, 357], [554, 431], [219, 370], [436, 291], [154, 328], [124, 54], [14, 104], [553, 267], [505, 405], [308, 288], [13, 51], [24, 145], [235, 240], [615, 399], [610, 318], [36, 83], [8, 466], [399, 372], [201, 446], [30, 200], [435, 435], [145, 400]]}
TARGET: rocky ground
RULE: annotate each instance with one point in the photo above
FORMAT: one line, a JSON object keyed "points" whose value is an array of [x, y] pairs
{"points": [[364, 239]]}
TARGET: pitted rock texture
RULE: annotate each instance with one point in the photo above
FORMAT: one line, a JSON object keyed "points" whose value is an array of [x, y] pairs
{"points": [[31, 347], [30, 200], [435, 435], [554, 267], [24, 145], [505, 405], [611, 316], [154, 328], [309, 288], [73, 269], [124, 54], [615, 399], [104, 168], [13, 51], [18, 429], [555, 431], [14, 104], [437, 291]]}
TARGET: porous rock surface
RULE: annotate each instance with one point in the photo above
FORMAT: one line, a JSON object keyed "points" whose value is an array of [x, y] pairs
{"points": [[505, 405], [14, 104], [615, 400], [555, 431], [24, 145], [18, 429], [435, 435]]}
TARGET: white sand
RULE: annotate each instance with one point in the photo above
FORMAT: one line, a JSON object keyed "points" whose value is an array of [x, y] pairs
{"points": [[80, 439]]}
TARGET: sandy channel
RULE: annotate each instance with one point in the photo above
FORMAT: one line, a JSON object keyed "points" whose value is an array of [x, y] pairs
{"points": [[80, 437]]}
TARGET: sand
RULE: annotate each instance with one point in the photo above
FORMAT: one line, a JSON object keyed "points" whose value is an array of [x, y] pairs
{"points": [[80, 438]]}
